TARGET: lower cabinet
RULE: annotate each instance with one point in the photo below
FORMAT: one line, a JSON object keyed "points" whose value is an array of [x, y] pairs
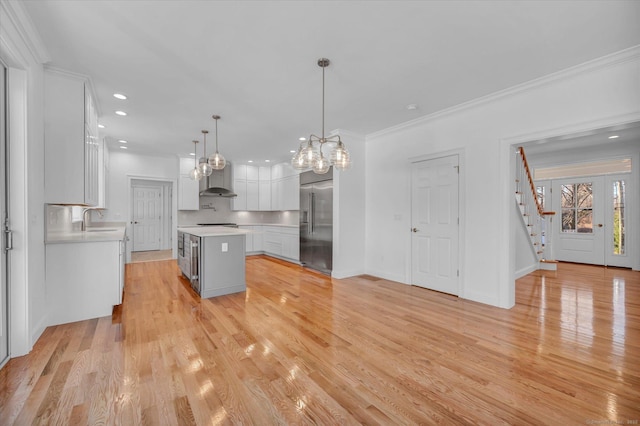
{"points": [[83, 280], [277, 241]]}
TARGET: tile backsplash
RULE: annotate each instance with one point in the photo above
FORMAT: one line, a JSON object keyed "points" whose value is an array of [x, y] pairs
{"points": [[218, 210]]}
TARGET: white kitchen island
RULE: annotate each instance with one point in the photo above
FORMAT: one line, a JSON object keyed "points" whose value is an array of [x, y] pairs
{"points": [[221, 259]]}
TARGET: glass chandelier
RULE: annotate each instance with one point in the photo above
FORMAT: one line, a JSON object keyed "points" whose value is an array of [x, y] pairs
{"points": [[195, 174], [217, 161], [310, 155], [204, 167]]}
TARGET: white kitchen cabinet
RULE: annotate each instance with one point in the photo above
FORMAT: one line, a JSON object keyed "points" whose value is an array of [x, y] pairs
{"points": [[253, 195], [240, 201], [189, 189], [264, 188], [254, 238], [246, 186], [282, 242], [83, 280], [71, 143]]}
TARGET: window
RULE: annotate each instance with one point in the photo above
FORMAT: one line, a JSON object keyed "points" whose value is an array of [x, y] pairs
{"points": [[618, 217], [577, 208]]}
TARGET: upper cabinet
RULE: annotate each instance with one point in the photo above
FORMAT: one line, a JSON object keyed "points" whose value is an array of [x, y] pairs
{"points": [[266, 188], [189, 190], [72, 146]]}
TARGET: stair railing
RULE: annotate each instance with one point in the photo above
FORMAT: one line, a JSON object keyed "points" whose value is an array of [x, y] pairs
{"points": [[538, 220]]}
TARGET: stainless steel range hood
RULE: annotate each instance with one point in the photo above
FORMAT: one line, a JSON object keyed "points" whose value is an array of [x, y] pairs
{"points": [[218, 184]]}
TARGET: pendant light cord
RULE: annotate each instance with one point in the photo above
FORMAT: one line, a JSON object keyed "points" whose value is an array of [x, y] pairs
{"points": [[323, 103]]}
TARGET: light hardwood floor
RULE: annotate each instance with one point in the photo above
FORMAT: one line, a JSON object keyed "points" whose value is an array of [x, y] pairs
{"points": [[150, 256], [299, 348]]}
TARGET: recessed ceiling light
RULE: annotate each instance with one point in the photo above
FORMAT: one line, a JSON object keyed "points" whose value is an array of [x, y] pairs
{"points": [[101, 126], [122, 113], [122, 141], [123, 147], [293, 151], [412, 107], [192, 153], [302, 139], [267, 161], [614, 137], [119, 96], [250, 161]]}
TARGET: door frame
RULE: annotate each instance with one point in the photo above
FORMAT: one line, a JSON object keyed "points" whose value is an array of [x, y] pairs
{"points": [[171, 206], [164, 224], [506, 154], [460, 152]]}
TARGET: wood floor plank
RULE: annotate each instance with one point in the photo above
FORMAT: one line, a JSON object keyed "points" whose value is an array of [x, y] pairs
{"points": [[301, 348]]}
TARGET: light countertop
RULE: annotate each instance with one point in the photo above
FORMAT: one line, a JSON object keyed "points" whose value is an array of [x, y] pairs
{"points": [[269, 224], [113, 232]]}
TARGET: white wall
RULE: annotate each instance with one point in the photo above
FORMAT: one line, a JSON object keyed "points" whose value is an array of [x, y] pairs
{"points": [[349, 239], [125, 167], [601, 91]]}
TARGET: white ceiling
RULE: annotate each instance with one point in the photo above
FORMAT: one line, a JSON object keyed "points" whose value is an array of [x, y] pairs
{"points": [[254, 62]]}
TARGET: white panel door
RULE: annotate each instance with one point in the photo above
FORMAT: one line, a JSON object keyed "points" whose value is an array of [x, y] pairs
{"points": [[434, 216], [579, 226], [147, 217]]}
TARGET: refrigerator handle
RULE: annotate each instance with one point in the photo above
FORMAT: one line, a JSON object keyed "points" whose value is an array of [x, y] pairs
{"points": [[311, 214]]}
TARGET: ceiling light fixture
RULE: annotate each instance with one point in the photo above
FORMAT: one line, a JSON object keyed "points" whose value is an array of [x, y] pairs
{"points": [[122, 141], [101, 126], [119, 96], [310, 155], [123, 147], [217, 161], [195, 174], [614, 137], [122, 113], [204, 167]]}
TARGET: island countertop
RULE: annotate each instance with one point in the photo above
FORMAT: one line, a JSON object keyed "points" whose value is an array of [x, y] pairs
{"points": [[212, 231]]}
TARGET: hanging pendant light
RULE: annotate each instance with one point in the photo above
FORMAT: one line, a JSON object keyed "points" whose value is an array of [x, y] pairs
{"points": [[195, 174], [309, 153], [204, 167], [217, 161]]}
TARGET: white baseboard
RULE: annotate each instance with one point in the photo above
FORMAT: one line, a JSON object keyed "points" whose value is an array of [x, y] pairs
{"points": [[346, 274], [526, 270]]}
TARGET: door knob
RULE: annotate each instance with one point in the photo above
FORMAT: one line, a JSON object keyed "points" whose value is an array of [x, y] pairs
{"points": [[414, 230], [600, 225]]}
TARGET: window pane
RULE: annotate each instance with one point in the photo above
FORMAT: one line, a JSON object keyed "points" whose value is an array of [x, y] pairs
{"points": [[584, 196], [585, 220], [568, 220], [567, 196], [618, 217], [540, 194]]}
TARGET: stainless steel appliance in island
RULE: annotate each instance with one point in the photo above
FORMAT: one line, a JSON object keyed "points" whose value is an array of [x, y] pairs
{"points": [[316, 221]]}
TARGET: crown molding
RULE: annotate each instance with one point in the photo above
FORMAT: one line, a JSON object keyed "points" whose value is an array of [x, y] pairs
{"points": [[19, 38], [627, 55]]}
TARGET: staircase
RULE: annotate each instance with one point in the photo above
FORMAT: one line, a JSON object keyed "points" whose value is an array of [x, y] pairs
{"points": [[537, 221]]}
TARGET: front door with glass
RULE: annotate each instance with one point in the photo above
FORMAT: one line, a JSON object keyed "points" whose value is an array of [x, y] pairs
{"points": [[590, 225]]}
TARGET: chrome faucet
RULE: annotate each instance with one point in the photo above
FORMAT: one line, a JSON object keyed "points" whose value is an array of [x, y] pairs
{"points": [[84, 216]]}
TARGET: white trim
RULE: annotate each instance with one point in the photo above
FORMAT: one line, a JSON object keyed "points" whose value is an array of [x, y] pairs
{"points": [[174, 209], [20, 42], [627, 55], [506, 234], [526, 270]]}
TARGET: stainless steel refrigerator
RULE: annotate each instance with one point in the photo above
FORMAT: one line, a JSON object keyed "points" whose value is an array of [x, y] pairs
{"points": [[316, 221]]}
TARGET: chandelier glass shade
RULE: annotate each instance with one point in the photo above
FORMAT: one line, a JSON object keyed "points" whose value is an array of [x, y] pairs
{"points": [[217, 161], [203, 167], [310, 152], [195, 174]]}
